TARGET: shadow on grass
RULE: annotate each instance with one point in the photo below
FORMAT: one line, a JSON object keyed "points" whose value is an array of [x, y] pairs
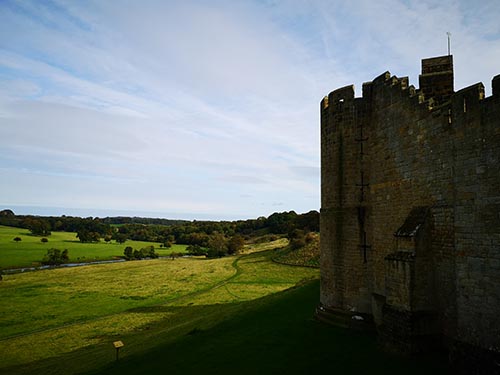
{"points": [[275, 334]]}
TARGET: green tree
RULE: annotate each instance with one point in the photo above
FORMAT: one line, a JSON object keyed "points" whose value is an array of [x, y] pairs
{"points": [[152, 253], [37, 227], [44, 240], [17, 239], [235, 244], [217, 245], [86, 236], [148, 252], [297, 239], [120, 237], [309, 222], [7, 212], [58, 225], [128, 252], [281, 222], [56, 257], [196, 250]]}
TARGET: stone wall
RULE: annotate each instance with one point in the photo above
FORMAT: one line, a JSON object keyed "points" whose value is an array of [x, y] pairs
{"points": [[476, 121], [396, 149]]}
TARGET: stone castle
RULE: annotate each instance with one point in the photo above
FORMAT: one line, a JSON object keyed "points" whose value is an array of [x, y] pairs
{"points": [[410, 214]]}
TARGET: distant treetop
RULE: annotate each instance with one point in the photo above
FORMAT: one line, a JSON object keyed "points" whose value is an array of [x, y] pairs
{"points": [[7, 212]]}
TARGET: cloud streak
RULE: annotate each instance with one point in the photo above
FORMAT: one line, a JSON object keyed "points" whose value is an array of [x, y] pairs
{"points": [[190, 108]]}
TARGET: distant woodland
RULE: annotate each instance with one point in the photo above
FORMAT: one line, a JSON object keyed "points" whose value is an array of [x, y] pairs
{"points": [[219, 237]]}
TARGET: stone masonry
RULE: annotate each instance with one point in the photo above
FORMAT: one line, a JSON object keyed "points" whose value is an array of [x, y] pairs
{"points": [[410, 214]]}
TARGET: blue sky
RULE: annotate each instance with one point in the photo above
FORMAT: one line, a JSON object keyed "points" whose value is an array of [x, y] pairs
{"points": [[201, 109]]}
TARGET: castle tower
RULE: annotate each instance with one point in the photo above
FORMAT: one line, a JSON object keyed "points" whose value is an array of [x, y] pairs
{"points": [[410, 232], [436, 80], [345, 259]]}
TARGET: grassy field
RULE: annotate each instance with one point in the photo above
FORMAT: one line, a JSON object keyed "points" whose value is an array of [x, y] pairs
{"points": [[30, 250], [53, 312], [244, 314], [272, 335]]}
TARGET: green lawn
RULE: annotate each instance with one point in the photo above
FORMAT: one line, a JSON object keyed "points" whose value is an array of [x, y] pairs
{"points": [[273, 335], [30, 250], [58, 311], [243, 314]]}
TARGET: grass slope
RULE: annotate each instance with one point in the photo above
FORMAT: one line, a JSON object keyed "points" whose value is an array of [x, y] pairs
{"points": [[67, 296], [30, 250], [242, 315], [273, 335], [81, 310], [307, 256]]}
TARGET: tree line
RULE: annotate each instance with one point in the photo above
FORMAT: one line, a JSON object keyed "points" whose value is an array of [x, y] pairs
{"points": [[211, 238]]}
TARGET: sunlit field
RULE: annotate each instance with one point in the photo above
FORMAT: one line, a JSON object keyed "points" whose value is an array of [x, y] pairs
{"points": [[30, 250], [244, 314], [52, 312]]}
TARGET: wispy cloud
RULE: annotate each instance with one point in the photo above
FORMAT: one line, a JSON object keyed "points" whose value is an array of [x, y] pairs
{"points": [[196, 107]]}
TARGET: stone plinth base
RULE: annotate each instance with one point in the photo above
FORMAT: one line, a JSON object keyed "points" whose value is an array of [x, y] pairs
{"points": [[409, 332], [343, 318]]}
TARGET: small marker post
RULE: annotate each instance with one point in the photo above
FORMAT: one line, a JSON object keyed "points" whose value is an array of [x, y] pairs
{"points": [[118, 345]]}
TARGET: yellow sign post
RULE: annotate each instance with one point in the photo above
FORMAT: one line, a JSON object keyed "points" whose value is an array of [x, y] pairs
{"points": [[118, 345]]}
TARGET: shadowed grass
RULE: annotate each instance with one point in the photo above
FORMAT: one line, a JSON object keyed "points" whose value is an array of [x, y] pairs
{"points": [[271, 335]]}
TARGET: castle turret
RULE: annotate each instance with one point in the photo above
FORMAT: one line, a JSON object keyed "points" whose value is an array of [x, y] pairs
{"points": [[436, 80], [410, 235]]}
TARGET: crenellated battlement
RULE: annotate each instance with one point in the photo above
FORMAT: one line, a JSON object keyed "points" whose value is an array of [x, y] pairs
{"points": [[343, 94], [436, 90]]}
